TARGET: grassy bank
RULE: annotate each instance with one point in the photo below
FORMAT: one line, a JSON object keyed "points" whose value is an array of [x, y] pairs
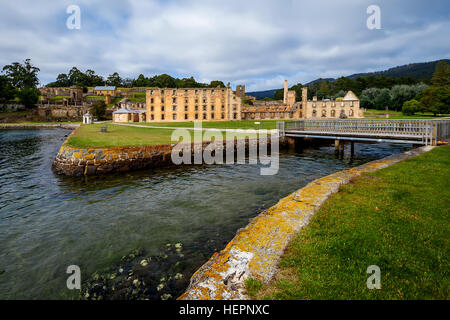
{"points": [[90, 136], [242, 124], [381, 114], [396, 218]]}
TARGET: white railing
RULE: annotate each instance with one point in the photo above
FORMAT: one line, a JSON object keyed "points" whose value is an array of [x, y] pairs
{"points": [[426, 131]]}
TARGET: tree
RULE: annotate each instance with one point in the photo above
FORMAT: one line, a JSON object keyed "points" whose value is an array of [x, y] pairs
{"points": [[368, 96], [98, 109], [383, 100], [22, 75], [441, 76], [216, 83], [29, 96], [165, 81], [7, 91], [76, 77], [436, 100], [114, 80], [412, 106]]}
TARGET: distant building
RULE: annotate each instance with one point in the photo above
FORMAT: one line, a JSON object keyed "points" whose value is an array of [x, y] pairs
{"points": [[190, 104], [74, 93], [103, 91], [289, 109], [129, 115]]}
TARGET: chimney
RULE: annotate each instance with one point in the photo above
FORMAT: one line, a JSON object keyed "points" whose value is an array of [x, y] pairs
{"points": [[285, 91]]}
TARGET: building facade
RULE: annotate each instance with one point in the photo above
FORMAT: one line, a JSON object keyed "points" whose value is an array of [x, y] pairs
{"points": [[103, 91], [290, 109], [191, 104]]}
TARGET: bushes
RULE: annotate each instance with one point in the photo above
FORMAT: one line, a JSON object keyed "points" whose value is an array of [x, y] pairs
{"points": [[412, 106], [98, 109], [28, 97]]}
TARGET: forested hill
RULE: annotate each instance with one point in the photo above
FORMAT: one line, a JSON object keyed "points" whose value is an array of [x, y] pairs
{"points": [[419, 71]]}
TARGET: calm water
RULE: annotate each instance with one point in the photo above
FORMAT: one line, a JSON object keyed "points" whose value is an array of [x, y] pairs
{"points": [[48, 222]]}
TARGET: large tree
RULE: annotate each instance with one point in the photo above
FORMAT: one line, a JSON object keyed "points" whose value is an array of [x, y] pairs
{"points": [[22, 75], [7, 91], [441, 76], [114, 80]]}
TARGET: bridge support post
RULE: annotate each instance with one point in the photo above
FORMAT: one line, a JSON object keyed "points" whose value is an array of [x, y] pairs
{"points": [[342, 149], [336, 147], [352, 149]]}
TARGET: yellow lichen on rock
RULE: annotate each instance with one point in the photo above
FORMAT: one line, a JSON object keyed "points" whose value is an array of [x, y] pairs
{"points": [[256, 249]]}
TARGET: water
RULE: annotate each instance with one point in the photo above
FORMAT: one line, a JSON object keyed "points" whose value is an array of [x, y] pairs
{"points": [[48, 222]]}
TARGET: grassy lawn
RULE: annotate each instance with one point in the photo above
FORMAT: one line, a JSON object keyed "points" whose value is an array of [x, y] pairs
{"points": [[89, 136], [242, 124], [396, 218], [381, 114], [95, 97]]}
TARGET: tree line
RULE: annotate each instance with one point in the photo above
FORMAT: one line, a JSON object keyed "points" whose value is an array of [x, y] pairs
{"points": [[381, 92], [89, 78]]}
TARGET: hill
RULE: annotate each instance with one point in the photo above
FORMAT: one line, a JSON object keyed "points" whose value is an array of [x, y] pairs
{"points": [[420, 71]]}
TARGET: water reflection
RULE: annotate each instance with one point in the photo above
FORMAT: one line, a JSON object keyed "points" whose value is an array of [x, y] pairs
{"points": [[48, 222]]}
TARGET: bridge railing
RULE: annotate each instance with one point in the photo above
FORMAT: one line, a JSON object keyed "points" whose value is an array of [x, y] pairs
{"points": [[426, 131]]}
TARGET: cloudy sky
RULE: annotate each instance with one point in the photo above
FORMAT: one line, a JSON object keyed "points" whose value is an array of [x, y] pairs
{"points": [[257, 43]]}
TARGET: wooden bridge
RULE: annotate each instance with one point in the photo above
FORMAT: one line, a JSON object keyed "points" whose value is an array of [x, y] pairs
{"points": [[417, 132]]}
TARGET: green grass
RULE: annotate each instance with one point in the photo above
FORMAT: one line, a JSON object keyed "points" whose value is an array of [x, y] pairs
{"points": [[381, 114], [95, 97], [396, 218], [136, 99], [113, 102], [89, 136], [242, 124], [58, 98]]}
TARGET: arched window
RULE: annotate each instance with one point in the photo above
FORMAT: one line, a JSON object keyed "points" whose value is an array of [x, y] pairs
{"points": [[333, 113], [314, 113], [324, 113], [351, 113]]}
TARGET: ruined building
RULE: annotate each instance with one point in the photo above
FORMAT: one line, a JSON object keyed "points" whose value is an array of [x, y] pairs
{"points": [[190, 104], [290, 109]]}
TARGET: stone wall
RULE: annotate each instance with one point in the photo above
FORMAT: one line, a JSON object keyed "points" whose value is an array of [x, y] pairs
{"points": [[256, 249], [74, 113], [73, 161]]}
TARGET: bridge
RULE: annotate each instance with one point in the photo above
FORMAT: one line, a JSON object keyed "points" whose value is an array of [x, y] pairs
{"points": [[409, 131]]}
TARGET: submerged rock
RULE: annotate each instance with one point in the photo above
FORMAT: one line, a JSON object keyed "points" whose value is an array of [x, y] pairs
{"points": [[141, 277]]}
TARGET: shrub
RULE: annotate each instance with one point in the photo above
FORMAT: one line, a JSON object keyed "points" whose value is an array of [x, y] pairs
{"points": [[98, 109], [412, 106], [29, 97]]}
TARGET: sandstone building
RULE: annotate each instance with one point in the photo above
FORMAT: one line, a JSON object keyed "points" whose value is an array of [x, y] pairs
{"points": [[224, 104], [290, 109], [190, 104]]}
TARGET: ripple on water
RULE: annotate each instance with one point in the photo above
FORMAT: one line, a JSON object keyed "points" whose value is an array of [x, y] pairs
{"points": [[49, 222]]}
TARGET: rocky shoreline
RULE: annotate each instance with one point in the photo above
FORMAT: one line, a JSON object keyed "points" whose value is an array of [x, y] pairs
{"points": [[38, 126], [73, 161]]}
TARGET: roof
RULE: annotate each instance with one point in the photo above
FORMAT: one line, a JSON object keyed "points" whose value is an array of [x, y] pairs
{"points": [[109, 88], [350, 96], [125, 110]]}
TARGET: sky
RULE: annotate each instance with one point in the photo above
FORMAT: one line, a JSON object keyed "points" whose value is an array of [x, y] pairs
{"points": [[258, 43]]}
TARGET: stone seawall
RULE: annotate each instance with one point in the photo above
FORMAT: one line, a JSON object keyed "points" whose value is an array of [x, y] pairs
{"points": [[73, 161], [38, 126], [256, 249]]}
